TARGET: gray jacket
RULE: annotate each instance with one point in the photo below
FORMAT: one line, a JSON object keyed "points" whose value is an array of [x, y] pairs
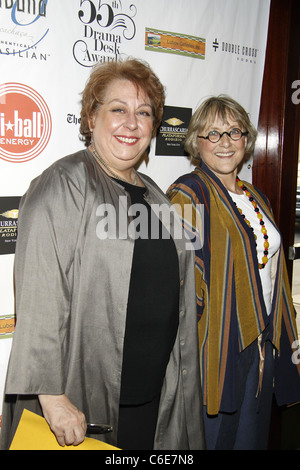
{"points": [[72, 286]]}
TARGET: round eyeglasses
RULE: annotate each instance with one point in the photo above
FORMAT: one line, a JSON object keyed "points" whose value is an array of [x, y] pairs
{"points": [[215, 136]]}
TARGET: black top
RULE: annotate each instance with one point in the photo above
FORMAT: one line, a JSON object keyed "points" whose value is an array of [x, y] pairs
{"points": [[153, 304]]}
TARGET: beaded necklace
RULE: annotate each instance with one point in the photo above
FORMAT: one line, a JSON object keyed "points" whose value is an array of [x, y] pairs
{"points": [[261, 222]]}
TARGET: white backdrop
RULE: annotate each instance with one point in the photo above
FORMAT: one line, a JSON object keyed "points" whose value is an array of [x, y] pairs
{"points": [[198, 48]]}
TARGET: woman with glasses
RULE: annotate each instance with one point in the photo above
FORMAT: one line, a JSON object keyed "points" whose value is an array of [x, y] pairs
{"points": [[246, 321]]}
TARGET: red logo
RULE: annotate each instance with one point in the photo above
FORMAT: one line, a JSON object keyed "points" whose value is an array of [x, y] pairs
{"points": [[25, 123]]}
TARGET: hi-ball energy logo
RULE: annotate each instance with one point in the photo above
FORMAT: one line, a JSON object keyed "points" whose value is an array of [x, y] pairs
{"points": [[25, 123]]}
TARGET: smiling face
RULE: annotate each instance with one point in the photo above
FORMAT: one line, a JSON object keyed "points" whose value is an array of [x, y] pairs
{"points": [[225, 156], [122, 126]]}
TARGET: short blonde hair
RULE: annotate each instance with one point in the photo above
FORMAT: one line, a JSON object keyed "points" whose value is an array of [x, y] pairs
{"points": [[223, 107], [136, 71]]}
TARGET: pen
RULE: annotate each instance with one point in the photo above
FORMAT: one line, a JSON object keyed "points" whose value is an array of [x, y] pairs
{"points": [[98, 428]]}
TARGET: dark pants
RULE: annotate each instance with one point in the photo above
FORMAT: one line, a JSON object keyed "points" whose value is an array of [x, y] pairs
{"points": [[137, 425], [248, 427]]}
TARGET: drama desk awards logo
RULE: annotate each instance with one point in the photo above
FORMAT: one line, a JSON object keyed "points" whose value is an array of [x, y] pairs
{"points": [[25, 123], [105, 27]]}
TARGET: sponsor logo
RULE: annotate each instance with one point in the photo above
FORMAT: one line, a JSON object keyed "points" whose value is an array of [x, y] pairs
{"points": [[242, 52], [105, 26], [73, 119], [7, 326], [172, 132], [25, 123], [9, 212], [174, 43], [23, 28]]}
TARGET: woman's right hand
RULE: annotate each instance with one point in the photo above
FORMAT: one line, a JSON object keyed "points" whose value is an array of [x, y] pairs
{"points": [[65, 420]]}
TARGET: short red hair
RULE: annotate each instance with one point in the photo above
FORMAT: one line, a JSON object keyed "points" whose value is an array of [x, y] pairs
{"points": [[134, 70]]}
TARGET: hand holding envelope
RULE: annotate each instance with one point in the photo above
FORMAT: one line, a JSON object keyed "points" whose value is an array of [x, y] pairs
{"points": [[33, 433], [66, 421]]}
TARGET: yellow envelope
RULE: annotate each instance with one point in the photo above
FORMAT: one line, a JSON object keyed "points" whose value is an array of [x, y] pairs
{"points": [[34, 433]]}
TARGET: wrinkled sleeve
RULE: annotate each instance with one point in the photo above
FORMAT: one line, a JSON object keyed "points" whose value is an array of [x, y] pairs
{"points": [[49, 221]]}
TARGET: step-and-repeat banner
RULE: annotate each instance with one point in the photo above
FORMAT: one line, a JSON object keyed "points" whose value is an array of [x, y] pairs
{"points": [[198, 48]]}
